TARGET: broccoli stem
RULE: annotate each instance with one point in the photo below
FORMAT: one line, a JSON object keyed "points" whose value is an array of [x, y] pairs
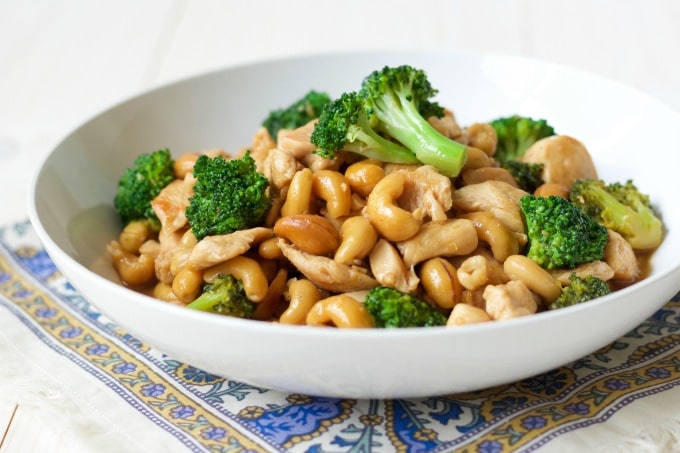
{"points": [[365, 141], [400, 119], [207, 301], [642, 229]]}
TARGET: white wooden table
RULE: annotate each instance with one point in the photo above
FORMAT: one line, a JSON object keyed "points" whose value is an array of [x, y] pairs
{"points": [[63, 61]]}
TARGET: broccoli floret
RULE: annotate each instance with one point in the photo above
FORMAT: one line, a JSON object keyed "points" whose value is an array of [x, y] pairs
{"points": [[527, 175], [516, 134], [581, 290], [559, 234], [226, 296], [140, 184], [622, 208], [297, 114], [229, 195], [397, 103], [344, 125], [392, 308]]}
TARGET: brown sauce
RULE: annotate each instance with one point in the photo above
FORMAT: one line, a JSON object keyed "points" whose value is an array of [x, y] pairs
{"points": [[644, 262]]}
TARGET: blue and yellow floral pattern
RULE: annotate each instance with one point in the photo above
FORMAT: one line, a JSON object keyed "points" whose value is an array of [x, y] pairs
{"points": [[205, 412]]}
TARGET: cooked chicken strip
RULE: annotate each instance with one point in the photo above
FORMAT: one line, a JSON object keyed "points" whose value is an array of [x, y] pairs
{"points": [[171, 203], [564, 159], [510, 300], [389, 269], [428, 192], [326, 273], [497, 197], [216, 249], [279, 167], [297, 141], [598, 269], [620, 256]]}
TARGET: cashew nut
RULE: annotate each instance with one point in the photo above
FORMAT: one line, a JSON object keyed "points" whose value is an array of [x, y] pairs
{"points": [[362, 176], [391, 221], [358, 238], [340, 311], [310, 233], [302, 295], [332, 187]]}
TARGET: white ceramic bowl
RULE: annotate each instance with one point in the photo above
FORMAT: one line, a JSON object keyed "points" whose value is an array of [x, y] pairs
{"points": [[629, 134]]}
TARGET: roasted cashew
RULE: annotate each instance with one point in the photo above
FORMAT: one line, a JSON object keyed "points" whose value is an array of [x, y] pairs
{"points": [[302, 295], [439, 279], [332, 187], [537, 279], [299, 195], [339, 311], [391, 221], [358, 238], [362, 176], [133, 270], [501, 240]]}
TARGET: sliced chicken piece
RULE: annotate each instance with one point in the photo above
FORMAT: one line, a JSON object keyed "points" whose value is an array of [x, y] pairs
{"points": [[510, 300], [599, 269], [389, 269], [212, 250], [171, 203], [262, 144], [169, 243], [427, 192], [279, 167], [463, 314], [326, 273], [297, 141], [477, 175], [315, 162], [564, 159], [497, 197], [620, 256], [389, 167]]}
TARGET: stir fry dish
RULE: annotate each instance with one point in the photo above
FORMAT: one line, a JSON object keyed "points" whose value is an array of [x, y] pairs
{"points": [[377, 209]]}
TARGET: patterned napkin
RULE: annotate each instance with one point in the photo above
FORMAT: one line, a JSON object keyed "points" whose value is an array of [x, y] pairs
{"points": [[601, 395]]}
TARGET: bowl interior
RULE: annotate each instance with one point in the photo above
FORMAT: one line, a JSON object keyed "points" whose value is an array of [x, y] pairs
{"points": [[628, 134]]}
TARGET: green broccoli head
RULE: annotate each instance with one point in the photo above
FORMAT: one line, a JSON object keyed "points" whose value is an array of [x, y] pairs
{"points": [[229, 195], [226, 296], [397, 102], [580, 290], [559, 234], [392, 308], [299, 113], [529, 176], [140, 184], [516, 134], [345, 125], [622, 208]]}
